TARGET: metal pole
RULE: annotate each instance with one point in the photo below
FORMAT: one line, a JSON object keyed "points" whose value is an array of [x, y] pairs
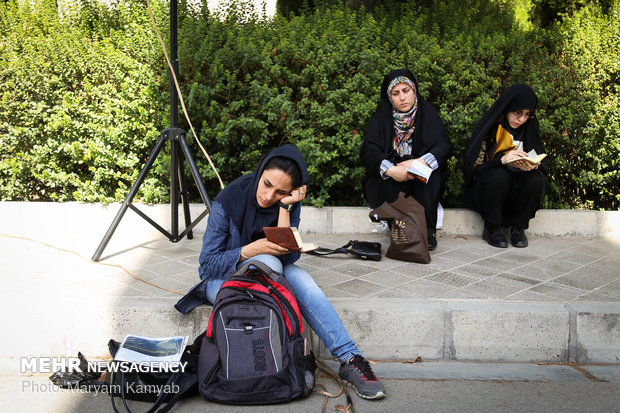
{"points": [[174, 142], [174, 60]]}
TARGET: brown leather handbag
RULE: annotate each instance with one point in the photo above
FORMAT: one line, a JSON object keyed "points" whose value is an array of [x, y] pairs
{"points": [[408, 234]]}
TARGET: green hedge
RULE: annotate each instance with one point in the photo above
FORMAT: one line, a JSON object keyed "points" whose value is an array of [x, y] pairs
{"points": [[80, 102], [83, 96]]}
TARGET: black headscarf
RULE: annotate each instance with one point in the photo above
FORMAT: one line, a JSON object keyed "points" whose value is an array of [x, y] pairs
{"points": [[516, 97], [429, 136], [239, 198]]}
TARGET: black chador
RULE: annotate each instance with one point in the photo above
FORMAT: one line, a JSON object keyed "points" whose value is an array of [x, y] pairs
{"points": [[394, 136], [505, 196]]}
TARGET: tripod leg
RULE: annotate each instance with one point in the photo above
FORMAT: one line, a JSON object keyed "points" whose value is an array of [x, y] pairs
{"points": [[185, 197], [130, 196], [192, 165]]}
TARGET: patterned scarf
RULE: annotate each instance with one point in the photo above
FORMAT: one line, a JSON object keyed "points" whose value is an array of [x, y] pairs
{"points": [[403, 122]]}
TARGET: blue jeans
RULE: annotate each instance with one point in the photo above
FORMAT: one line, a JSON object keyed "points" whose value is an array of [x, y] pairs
{"points": [[314, 306]]}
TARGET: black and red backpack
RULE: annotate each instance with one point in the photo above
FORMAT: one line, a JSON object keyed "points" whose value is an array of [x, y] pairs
{"points": [[253, 352]]}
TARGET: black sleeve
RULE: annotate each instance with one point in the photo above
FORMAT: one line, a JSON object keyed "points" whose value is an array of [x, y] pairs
{"points": [[372, 152], [481, 169]]}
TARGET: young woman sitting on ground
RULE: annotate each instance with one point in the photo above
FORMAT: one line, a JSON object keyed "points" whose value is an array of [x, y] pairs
{"points": [[269, 197]]}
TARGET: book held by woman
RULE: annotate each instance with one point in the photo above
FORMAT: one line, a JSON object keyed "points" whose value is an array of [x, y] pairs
{"points": [[288, 237]]}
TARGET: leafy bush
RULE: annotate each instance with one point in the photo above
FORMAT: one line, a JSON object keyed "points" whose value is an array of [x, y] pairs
{"points": [[80, 100], [591, 154], [83, 129]]}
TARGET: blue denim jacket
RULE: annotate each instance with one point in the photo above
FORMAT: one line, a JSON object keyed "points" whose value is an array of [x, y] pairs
{"points": [[221, 244]]}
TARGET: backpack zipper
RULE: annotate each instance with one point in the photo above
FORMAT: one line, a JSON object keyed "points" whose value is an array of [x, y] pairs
{"points": [[230, 319], [282, 299]]}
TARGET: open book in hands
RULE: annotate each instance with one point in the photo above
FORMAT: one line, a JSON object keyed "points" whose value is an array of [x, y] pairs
{"points": [[288, 237], [532, 157], [421, 171]]}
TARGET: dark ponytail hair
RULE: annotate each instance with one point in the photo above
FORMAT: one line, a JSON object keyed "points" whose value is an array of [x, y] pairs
{"points": [[288, 166]]}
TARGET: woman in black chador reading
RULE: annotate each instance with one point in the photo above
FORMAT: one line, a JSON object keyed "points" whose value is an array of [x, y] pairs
{"points": [[506, 194], [405, 129]]}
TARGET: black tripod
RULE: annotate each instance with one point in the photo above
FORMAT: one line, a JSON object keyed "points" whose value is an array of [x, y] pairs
{"points": [[178, 148]]}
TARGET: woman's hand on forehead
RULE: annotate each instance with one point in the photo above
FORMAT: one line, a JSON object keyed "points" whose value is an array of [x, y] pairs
{"points": [[297, 195]]}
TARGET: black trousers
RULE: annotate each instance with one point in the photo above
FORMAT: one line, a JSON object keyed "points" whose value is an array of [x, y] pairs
{"points": [[508, 198], [378, 190]]}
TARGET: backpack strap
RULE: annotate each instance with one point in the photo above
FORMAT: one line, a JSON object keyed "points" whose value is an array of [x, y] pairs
{"points": [[267, 270], [185, 382], [322, 366]]}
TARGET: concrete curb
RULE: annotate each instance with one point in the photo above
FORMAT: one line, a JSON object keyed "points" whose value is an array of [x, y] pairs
{"points": [[548, 222], [338, 220], [513, 332], [394, 329]]}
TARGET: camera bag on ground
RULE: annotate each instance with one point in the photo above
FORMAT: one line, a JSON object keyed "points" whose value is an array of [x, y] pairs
{"points": [[158, 388], [253, 352], [363, 249]]}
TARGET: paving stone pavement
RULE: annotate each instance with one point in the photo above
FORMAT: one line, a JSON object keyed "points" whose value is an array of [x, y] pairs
{"points": [[555, 284], [463, 268], [58, 301]]}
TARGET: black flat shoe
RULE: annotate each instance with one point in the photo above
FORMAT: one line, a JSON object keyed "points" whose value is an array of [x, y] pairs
{"points": [[432, 241], [518, 238], [495, 237]]}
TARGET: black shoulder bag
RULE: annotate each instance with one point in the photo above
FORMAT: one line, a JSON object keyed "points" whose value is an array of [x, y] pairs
{"points": [[364, 249]]}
